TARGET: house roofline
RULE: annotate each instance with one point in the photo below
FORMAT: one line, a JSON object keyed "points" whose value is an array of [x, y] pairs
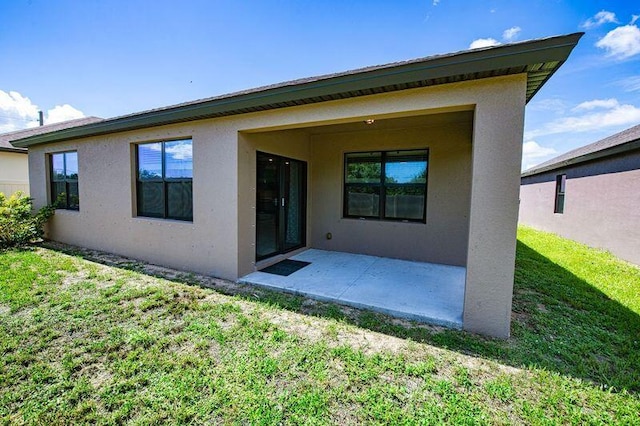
{"points": [[14, 150], [7, 139], [607, 152], [539, 59]]}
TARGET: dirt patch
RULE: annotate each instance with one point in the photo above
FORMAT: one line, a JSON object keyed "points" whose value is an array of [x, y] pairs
{"points": [[521, 317], [97, 374]]}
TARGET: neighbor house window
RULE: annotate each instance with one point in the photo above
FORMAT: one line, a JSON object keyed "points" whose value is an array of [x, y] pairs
{"points": [[386, 185], [561, 181], [64, 180], [164, 179]]}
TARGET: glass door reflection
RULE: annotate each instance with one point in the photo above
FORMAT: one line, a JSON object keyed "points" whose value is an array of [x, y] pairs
{"points": [[280, 204]]}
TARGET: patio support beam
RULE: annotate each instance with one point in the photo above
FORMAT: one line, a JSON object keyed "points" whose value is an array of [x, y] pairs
{"points": [[496, 159]]}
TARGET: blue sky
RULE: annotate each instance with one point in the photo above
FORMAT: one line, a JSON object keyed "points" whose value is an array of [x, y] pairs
{"points": [[109, 58]]}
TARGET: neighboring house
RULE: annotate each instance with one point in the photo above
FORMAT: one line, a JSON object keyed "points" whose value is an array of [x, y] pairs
{"points": [[590, 194], [14, 163], [218, 185], [14, 168]]}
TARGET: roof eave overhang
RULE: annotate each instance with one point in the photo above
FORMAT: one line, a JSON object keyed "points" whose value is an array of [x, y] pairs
{"points": [[469, 65], [618, 149], [14, 150]]}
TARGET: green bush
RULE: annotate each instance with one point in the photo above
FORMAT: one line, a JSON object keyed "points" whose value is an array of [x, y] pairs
{"points": [[18, 226]]}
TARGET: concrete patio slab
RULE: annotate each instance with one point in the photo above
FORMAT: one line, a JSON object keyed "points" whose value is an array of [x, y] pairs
{"points": [[419, 291]]}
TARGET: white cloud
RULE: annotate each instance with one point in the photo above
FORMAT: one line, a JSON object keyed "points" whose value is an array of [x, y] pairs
{"points": [[61, 113], [511, 33], [631, 84], [602, 17], [533, 153], [180, 151], [15, 102], [16, 112], [549, 104], [598, 114], [435, 2], [483, 42], [622, 42], [597, 103], [507, 35], [157, 146], [634, 18]]}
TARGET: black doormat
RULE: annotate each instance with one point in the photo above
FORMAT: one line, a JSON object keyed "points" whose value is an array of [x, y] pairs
{"points": [[285, 267]]}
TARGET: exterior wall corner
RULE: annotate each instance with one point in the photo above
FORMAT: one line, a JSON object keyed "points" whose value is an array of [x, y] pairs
{"points": [[497, 153]]}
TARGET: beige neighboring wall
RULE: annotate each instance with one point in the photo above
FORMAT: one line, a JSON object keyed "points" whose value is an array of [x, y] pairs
{"points": [[14, 172]]}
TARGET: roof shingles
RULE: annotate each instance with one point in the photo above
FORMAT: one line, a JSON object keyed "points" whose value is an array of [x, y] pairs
{"points": [[7, 138]]}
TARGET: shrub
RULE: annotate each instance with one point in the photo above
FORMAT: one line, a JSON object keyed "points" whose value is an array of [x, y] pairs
{"points": [[18, 226]]}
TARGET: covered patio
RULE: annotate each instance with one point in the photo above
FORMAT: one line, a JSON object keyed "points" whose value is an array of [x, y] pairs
{"points": [[420, 291], [361, 251]]}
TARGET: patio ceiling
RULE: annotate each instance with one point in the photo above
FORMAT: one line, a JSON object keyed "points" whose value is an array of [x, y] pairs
{"points": [[406, 122]]}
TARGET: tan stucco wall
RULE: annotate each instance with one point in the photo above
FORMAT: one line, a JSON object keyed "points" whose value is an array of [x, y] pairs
{"points": [[601, 210], [219, 241], [497, 153], [14, 172], [442, 239], [106, 219]]}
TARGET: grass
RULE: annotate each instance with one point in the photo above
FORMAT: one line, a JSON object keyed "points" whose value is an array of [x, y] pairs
{"points": [[84, 342]]}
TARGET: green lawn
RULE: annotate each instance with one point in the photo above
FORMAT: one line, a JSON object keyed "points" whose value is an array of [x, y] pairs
{"points": [[83, 342]]}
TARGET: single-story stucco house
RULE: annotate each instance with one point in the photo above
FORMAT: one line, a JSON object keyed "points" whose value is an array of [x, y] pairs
{"points": [[590, 195], [416, 160], [14, 163]]}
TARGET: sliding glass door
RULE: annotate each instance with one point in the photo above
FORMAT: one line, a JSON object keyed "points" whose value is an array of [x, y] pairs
{"points": [[280, 205]]}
